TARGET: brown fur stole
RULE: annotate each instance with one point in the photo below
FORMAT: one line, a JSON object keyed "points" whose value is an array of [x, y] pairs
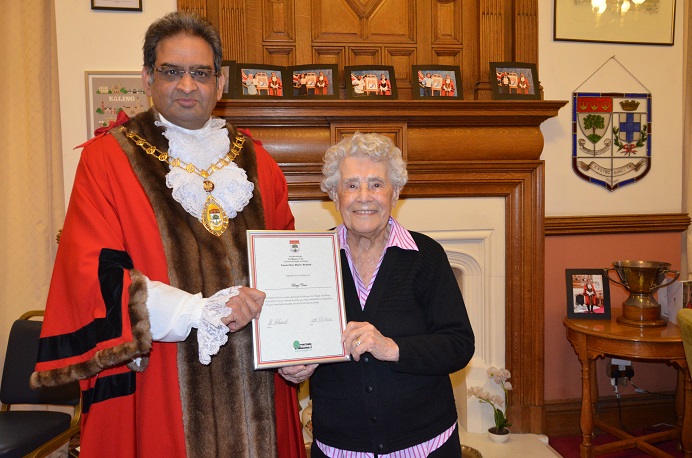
{"points": [[228, 408]]}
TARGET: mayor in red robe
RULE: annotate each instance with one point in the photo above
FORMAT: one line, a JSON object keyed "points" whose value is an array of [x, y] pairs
{"points": [[137, 248]]}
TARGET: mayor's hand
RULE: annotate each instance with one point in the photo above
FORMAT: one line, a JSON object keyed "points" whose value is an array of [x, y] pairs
{"points": [[246, 306]]}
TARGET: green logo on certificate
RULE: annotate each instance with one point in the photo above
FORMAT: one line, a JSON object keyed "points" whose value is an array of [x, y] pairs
{"points": [[301, 346]]}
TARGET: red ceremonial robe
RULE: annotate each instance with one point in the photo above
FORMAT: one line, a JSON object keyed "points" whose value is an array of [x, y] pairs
{"points": [[96, 319]]}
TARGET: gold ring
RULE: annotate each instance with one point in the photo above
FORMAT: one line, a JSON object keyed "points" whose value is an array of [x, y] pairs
{"points": [[358, 342]]}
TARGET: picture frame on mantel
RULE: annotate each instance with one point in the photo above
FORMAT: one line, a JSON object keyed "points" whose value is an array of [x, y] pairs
{"points": [[314, 81], [645, 22], [514, 81], [260, 81], [117, 5], [588, 294], [229, 73], [370, 82], [437, 82]]}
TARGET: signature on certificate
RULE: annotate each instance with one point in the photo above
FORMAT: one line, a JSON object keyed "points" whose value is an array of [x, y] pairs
{"points": [[277, 321], [321, 319]]}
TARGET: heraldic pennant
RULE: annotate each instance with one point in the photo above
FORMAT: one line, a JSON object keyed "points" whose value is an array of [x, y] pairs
{"points": [[611, 138]]}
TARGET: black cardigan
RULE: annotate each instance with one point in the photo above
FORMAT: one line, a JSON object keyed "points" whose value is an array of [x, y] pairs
{"points": [[380, 407]]}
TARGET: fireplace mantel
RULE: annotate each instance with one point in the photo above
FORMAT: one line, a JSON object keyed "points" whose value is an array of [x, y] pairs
{"points": [[453, 149], [420, 113]]}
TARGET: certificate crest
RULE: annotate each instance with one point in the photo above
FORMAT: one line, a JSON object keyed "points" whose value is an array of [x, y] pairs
{"points": [[611, 138]]}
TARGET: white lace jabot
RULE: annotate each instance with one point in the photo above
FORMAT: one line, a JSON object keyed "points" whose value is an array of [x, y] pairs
{"points": [[203, 147]]}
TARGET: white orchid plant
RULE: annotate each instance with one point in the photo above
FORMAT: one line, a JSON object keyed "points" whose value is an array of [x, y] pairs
{"points": [[501, 377]]}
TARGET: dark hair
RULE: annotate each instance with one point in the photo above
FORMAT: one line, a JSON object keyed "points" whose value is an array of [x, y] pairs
{"points": [[180, 23]]}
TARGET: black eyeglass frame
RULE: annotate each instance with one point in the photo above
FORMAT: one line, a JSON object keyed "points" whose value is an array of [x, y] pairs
{"points": [[180, 72]]}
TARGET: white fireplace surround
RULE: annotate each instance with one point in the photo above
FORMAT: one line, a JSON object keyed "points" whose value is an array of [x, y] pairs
{"points": [[472, 231]]}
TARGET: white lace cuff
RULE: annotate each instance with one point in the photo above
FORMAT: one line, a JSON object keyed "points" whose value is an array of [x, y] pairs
{"points": [[211, 332]]}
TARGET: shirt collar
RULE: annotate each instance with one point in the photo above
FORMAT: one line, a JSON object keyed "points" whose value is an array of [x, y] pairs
{"points": [[398, 237]]}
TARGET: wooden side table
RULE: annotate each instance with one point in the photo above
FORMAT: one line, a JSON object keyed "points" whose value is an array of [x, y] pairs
{"points": [[593, 339]]}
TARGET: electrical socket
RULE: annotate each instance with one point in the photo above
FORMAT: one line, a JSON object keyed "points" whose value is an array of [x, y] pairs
{"points": [[620, 374]]}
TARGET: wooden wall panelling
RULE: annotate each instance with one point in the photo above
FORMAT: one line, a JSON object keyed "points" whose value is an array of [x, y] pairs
{"points": [[233, 31], [447, 28], [393, 21], [396, 132], [493, 39], [525, 45], [470, 34], [401, 59], [494, 36], [447, 56], [470, 60], [198, 7], [337, 21], [364, 55], [329, 55], [229, 17], [279, 55], [279, 21], [616, 224]]}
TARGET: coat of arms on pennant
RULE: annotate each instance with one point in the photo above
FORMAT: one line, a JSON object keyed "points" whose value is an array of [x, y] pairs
{"points": [[611, 138]]}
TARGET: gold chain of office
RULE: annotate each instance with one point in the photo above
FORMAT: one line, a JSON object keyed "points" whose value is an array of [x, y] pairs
{"points": [[188, 167], [214, 217]]}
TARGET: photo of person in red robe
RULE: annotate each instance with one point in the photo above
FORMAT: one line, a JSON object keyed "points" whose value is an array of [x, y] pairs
{"points": [[385, 87], [322, 84], [447, 87], [275, 86]]}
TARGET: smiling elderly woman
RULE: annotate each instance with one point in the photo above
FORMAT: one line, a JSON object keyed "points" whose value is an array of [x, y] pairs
{"points": [[407, 330]]}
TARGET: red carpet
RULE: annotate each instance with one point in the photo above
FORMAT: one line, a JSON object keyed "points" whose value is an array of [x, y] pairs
{"points": [[568, 446]]}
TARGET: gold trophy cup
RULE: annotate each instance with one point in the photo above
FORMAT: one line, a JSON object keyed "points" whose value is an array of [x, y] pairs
{"points": [[641, 279]]}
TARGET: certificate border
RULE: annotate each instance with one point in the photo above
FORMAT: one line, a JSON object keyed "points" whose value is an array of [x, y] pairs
{"points": [[252, 235]]}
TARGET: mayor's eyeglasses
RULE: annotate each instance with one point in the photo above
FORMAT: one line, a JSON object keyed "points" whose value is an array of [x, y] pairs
{"points": [[174, 74]]}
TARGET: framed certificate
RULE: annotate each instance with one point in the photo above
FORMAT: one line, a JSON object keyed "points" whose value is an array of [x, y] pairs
{"points": [[303, 315]]}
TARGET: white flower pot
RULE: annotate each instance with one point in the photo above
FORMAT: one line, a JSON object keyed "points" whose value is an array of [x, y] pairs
{"points": [[498, 438]]}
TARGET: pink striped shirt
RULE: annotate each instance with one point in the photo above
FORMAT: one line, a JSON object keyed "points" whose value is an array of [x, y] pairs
{"points": [[401, 238]]}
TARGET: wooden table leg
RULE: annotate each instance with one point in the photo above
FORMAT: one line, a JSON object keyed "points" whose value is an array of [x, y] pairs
{"points": [[586, 417]]}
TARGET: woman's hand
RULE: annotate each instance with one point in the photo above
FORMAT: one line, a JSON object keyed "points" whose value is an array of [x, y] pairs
{"points": [[360, 337], [244, 307], [297, 374]]}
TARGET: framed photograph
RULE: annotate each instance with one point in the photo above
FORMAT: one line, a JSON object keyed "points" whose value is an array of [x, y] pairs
{"points": [[514, 80], [315, 81], [259, 81], [647, 22], [437, 82], [108, 93], [370, 81], [588, 294], [117, 5], [229, 86]]}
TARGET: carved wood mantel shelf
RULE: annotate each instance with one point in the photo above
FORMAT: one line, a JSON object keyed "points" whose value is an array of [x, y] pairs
{"points": [[452, 149], [415, 112]]}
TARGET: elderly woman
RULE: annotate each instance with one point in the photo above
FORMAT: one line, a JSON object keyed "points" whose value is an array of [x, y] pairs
{"points": [[407, 324]]}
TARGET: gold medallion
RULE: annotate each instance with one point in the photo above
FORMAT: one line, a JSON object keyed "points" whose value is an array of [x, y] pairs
{"points": [[214, 217]]}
